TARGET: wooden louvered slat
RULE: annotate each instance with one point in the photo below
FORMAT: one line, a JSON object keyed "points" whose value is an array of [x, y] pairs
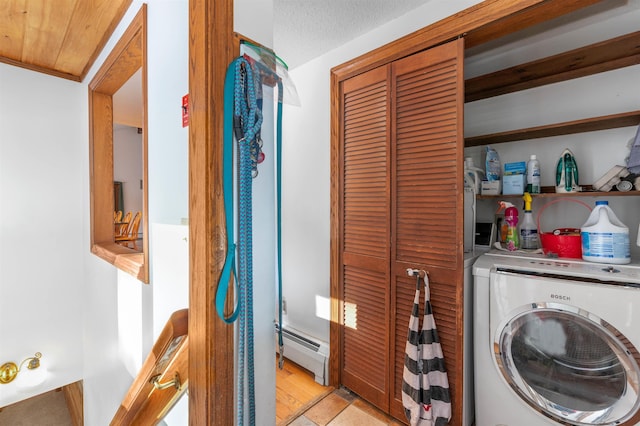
{"points": [[423, 161], [427, 205], [365, 176], [364, 354]]}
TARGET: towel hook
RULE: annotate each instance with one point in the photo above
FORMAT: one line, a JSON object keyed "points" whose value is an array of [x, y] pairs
{"points": [[416, 272]]}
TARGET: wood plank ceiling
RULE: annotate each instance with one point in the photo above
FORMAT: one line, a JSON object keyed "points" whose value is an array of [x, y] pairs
{"points": [[62, 37]]}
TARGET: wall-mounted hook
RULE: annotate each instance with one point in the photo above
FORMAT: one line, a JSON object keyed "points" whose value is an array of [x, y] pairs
{"points": [[416, 272]]}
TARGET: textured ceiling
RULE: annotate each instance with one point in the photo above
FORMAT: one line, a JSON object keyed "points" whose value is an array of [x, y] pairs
{"points": [[306, 29]]}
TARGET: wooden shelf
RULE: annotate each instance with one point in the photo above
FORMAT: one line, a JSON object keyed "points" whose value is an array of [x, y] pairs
{"points": [[549, 192], [600, 57], [613, 121], [607, 55]]}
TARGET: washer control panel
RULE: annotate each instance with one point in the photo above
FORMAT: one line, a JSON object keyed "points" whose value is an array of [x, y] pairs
{"points": [[569, 267]]}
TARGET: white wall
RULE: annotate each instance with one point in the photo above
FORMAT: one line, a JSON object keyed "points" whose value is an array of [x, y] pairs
{"points": [[119, 310], [306, 170], [128, 166], [42, 138]]}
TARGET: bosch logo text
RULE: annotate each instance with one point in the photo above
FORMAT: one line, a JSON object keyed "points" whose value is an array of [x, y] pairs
{"points": [[560, 297]]}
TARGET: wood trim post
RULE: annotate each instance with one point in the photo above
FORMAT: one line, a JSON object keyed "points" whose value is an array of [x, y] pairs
{"points": [[211, 353]]}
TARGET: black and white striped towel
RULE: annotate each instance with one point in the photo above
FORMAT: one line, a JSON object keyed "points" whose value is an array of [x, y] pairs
{"points": [[425, 386]]}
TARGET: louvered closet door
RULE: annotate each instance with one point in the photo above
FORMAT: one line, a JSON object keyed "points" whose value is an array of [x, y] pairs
{"points": [[365, 290], [427, 202]]}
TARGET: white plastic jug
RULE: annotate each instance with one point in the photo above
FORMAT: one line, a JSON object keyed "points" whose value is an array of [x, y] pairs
{"points": [[604, 238], [471, 173]]}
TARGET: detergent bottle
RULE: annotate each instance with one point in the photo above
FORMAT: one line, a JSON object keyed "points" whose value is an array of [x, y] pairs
{"points": [[471, 173], [511, 218], [605, 239], [493, 167], [533, 175], [528, 230]]}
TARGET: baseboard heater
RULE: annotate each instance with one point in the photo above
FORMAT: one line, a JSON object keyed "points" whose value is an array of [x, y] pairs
{"points": [[307, 352]]}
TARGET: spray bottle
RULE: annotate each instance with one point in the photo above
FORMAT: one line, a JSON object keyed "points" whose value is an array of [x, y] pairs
{"points": [[511, 218], [528, 229]]}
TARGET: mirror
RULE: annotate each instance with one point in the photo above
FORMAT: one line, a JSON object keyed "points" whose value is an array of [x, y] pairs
{"points": [[126, 60]]}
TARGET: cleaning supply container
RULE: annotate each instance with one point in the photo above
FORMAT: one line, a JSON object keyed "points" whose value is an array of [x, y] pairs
{"points": [[533, 175], [493, 166], [561, 242], [528, 230], [511, 219], [472, 176], [605, 239]]}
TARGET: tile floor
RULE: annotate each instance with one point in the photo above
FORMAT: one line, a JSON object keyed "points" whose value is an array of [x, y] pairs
{"points": [[343, 408]]}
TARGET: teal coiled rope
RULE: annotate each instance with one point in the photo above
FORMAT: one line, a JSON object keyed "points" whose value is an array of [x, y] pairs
{"points": [[244, 116], [245, 107]]}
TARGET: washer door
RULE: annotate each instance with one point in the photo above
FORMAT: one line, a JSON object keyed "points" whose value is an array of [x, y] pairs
{"points": [[569, 364]]}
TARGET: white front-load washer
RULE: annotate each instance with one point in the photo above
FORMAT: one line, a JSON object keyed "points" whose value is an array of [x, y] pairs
{"points": [[555, 341]]}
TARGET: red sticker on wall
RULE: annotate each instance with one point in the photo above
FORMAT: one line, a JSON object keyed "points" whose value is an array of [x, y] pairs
{"points": [[185, 110]]}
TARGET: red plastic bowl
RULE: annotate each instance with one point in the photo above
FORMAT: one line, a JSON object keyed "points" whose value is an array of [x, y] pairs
{"points": [[565, 244]]}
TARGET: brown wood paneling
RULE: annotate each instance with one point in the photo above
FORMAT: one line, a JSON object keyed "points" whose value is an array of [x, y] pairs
{"points": [[42, 34], [12, 29], [79, 48], [402, 133], [426, 162], [366, 349], [427, 208], [211, 350], [364, 218], [62, 38], [366, 207]]}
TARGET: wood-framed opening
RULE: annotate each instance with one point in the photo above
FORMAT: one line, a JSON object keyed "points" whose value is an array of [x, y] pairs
{"points": [[127, 57]]}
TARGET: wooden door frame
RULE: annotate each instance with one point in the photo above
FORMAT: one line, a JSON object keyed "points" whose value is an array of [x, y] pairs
{"points": [[211, 49], [211, 349]]}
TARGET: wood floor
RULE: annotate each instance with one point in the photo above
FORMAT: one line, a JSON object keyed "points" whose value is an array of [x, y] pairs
{"points": [[296, 391], [300, 401]]}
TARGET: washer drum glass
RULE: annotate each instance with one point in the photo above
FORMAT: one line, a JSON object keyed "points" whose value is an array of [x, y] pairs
{"points": [[569, 365]]}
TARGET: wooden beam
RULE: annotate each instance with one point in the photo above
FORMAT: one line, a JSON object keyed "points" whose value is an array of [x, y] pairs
{"points": [[478, 24], [519, 16], [613, 121], [607, 55], [211, 354]]}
